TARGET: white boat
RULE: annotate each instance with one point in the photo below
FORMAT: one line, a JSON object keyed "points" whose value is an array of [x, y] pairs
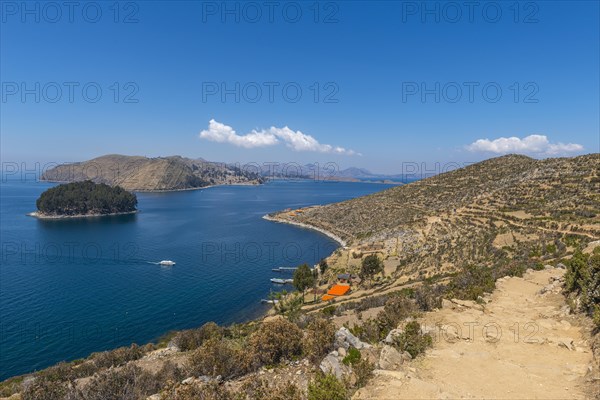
{"points": [[167, 262], [269, 301], [281, 281]]}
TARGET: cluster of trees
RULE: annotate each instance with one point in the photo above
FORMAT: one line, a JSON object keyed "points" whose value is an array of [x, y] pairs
{"points": [[86, 197]]}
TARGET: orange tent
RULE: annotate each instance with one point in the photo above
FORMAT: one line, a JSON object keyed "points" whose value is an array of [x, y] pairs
{"points": [[327, 297], [338, 290]]}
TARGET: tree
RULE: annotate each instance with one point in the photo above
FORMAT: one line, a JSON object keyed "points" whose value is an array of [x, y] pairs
{"points": [[303, 279], [371, 265]]}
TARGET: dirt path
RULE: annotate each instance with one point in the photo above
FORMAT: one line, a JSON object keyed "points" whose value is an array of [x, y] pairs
{"points": [[520, 345]]}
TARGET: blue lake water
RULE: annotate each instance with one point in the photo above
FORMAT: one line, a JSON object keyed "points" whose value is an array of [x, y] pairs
{"points": [[72, 287]]}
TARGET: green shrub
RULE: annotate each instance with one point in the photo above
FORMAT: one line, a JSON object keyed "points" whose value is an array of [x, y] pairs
{"points": [[320, 335], [352, 357], [329, 311], [412, 340], [327, 387], [583, 279]]}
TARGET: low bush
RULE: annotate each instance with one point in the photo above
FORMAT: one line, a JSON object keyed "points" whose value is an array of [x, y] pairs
{"points": [[127, 383], [412, 340], [396, 309], [428, 297], [327, 387], [210, 391], [191, 339], [473, 281], [44, 389], [368, 331], [120, 356], [169, 373], [220, 357], [352, 357], [276, 340], [363, 371], [320, 335], [261, 389], [583, 279]]}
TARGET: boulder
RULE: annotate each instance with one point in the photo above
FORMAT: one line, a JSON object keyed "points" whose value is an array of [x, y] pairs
{"points": [[390, 359], [331, 365], [390, 338], [344, 338]]}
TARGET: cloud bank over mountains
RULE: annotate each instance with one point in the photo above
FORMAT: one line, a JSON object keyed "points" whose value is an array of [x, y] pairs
{"points": [[533, 144], [295, 140]]}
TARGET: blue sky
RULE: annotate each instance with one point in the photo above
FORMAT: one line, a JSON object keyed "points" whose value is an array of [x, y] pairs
{"points": [[361, 68]]}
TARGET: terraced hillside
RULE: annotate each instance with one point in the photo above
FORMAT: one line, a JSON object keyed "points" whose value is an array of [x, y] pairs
{"points": [[501, 208], [151, 174]]}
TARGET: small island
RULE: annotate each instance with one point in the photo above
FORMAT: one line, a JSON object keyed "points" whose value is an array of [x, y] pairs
{"points": [[84, 199]]}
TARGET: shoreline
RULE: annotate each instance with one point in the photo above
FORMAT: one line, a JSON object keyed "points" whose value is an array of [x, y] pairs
{"points": [[333, 236], [37, 215]]}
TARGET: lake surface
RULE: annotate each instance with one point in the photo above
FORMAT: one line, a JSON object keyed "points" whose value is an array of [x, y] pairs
{"points": [[72, 287]]}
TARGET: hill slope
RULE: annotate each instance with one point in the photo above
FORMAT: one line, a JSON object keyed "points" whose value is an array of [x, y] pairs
{"points": [[564, 187], [151, 174]]}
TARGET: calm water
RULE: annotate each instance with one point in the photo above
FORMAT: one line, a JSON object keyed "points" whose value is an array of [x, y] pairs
{"points": [[72, 287]]}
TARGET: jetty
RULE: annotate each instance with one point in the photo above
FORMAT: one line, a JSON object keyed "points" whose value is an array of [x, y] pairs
{"points": [[282, 269]]}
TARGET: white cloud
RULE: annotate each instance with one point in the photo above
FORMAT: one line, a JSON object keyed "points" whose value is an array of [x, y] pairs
{"points": [[295, 140], [221, 133], [532, 144]]}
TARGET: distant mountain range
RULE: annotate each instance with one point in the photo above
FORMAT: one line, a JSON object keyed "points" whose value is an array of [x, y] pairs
{"points": [[326, 172], [140, 173]]}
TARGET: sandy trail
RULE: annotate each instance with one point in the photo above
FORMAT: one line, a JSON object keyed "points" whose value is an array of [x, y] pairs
{"points": [[529, 349]]}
